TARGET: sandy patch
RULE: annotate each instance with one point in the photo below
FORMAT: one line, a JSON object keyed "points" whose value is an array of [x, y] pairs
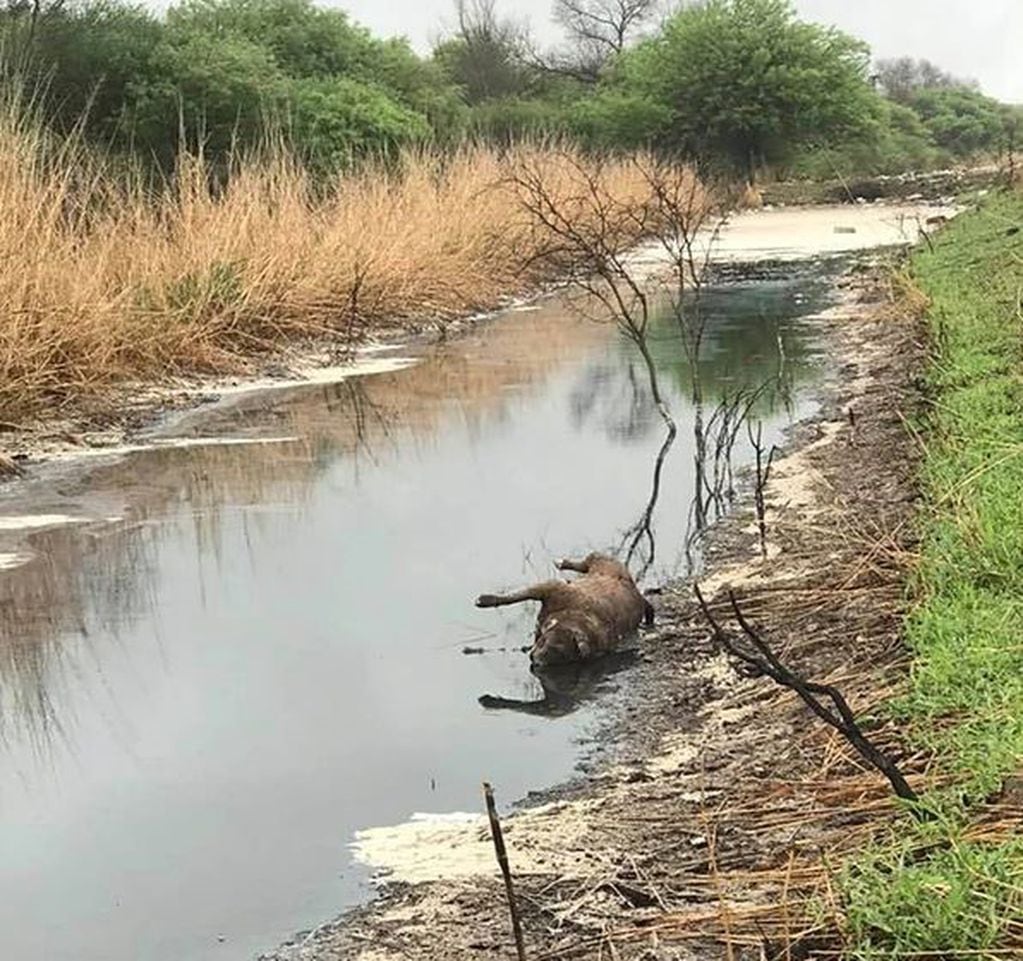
{"points": [[457, 846]]}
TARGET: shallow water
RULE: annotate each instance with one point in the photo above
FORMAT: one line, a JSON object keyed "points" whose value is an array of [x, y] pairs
{"points": [[201, 703]]}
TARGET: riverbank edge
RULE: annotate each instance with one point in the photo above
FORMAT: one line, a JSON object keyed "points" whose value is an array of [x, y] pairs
{"points": [[683, 705]]}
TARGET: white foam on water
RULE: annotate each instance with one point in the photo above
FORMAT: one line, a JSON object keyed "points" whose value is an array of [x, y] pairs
{"points": [[9, 561], [321, 375], [29, 522]]}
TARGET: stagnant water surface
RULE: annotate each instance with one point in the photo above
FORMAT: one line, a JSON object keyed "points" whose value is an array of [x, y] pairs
{"points": [[200, 703]]}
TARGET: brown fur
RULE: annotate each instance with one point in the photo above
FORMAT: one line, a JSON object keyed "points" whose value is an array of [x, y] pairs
{"points": [[585, 618]]}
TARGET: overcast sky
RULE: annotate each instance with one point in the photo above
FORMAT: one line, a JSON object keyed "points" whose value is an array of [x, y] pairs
{"points": [[982, 39]]}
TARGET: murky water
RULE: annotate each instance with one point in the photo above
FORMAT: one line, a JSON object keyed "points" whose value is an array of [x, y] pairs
{"points": [[200, 703]]}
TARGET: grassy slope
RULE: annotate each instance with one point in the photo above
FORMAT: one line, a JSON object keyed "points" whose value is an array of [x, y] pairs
{"points": [[941, 887]]}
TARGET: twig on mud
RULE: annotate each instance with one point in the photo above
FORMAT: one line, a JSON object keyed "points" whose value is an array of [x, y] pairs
{"points": [[838, 714], [502, 861]]}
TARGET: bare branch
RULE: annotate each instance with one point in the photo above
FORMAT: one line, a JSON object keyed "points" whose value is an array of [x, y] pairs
{"points": [[597, 31], [826, 701]]}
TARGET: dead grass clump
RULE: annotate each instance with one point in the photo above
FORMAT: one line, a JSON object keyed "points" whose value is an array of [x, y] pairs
{"points": [[751, 198], [105, 280]]}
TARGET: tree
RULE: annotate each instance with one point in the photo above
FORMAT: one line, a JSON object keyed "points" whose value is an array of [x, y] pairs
{"points": [[901, 77], [616, 118], [218, 92], [1012, 139], [85, 59], [307, 41], [304, 40], [962, 121], [485, 56], [598, 31], [896, 140], [20, 21], [335, 120], [746, 84]]}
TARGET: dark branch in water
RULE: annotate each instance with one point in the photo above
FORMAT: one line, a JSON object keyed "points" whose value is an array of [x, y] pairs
{"points": [[763, 475], [826, 701]]}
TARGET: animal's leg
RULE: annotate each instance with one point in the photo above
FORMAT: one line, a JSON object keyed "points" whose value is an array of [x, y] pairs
{"points": [[648, 613], [538, 592]]}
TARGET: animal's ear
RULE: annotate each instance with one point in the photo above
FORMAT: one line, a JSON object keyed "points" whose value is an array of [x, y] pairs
{"points": [[567, 564]]}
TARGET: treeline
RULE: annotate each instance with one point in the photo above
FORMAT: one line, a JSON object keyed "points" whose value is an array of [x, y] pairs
{"points": [[740, 84]]}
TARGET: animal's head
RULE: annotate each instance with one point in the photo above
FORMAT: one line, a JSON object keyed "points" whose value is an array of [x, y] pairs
{"points": [[560, 642]]}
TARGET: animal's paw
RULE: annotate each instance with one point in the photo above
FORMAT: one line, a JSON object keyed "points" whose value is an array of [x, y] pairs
{"points": [[487, 600]]}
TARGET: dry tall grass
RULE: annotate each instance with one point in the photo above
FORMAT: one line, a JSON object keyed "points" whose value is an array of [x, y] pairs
{"points": [[104, 281]]}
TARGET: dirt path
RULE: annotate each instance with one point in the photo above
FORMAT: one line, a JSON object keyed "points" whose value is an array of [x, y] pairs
{"points": [[705, 823]]}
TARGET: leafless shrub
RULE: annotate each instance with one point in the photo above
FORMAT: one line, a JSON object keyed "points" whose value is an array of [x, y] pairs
{"points": [[825, 700]]}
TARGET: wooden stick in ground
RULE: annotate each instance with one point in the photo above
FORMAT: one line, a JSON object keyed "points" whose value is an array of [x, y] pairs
{"points": [[502, 862]]}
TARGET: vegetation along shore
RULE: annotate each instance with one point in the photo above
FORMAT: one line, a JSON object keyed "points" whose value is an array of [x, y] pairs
{"points": [[236, 646]]}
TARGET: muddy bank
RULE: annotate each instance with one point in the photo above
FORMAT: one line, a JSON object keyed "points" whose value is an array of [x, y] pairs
{"points": [[707, 817]]}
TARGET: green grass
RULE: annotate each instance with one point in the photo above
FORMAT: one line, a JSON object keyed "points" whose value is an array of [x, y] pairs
{"points": [[929, 890]]}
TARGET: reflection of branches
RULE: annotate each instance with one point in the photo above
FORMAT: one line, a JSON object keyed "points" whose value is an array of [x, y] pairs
{"points": [[350, 397], [622, 404], [62, 595], [763, 474], [640, 537], [714, 444]]}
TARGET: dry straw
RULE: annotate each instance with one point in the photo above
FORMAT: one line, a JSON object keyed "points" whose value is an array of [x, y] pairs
{"points": [[105, 279]]}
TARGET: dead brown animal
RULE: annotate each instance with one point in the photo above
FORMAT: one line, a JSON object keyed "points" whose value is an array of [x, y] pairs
{"points": [[585, 618]]}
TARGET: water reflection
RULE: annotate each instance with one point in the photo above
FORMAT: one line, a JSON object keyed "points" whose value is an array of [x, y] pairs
{"points": [[267, 646], [565, 688], [638, 547], [749, 338]]}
